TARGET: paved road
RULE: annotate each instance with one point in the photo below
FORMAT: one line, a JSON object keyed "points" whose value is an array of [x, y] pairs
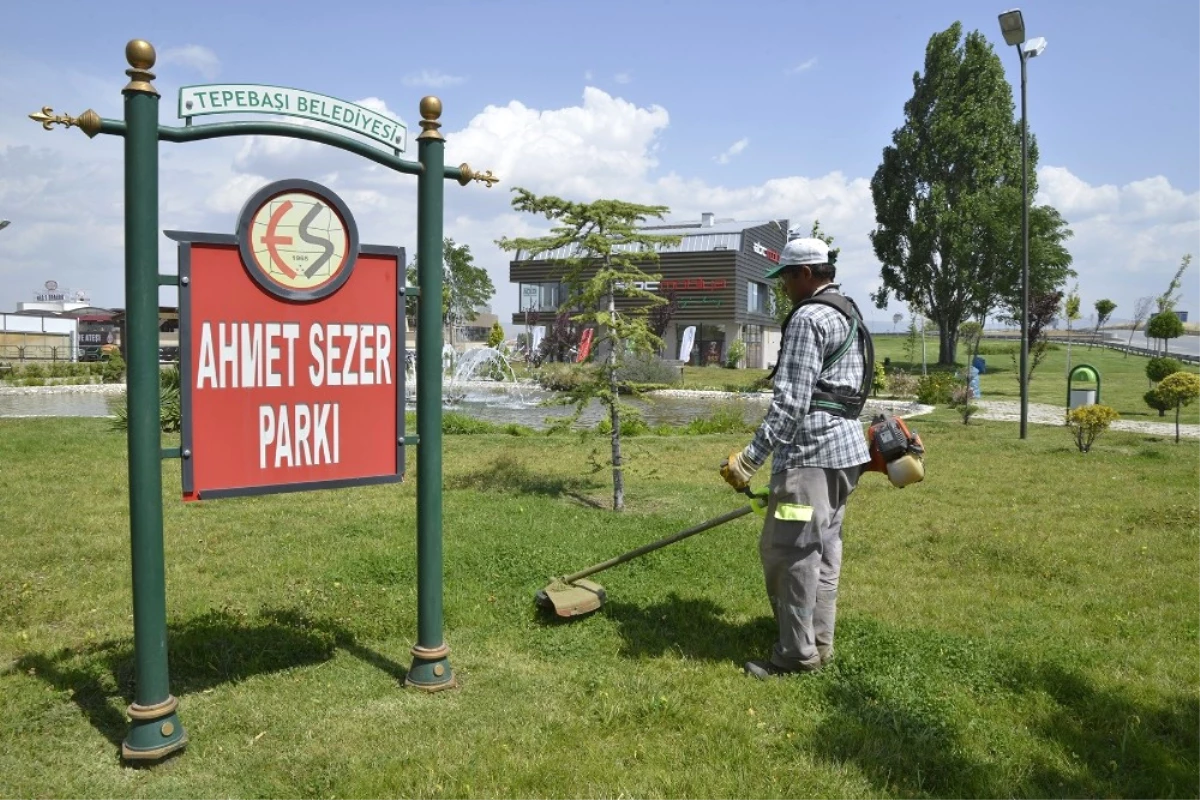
{"points": [[1184, 344]]}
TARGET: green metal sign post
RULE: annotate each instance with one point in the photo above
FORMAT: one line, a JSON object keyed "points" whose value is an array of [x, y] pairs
{"points": [[155, 729]]}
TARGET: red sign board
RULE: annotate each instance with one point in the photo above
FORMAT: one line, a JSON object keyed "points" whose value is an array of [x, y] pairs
{"points": [[290, 335]]}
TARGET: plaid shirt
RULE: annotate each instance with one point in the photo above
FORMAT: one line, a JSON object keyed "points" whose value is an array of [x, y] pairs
{"points": [[797, 437]]}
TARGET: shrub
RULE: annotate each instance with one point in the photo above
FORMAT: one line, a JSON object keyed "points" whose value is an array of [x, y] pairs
{"points": [[454, 422], [1157, 401], [495, 335], [647, 369], [562, 377], [901, 384], [60, 369], [725, 418], [935, 388], [1160, 367], [33, 381], [960, 399], [735, 353], [632, 424], [1088, 422], [879, 381], [169, 378], [33, 370], [170, 410], [113, 370]]}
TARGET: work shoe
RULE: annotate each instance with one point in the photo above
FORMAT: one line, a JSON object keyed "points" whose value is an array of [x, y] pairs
{"points": [[766, 669]]}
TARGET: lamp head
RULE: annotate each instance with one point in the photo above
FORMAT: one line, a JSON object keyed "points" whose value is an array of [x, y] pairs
{"points": [[4, 223], [1034, 47], [1012, 25]]}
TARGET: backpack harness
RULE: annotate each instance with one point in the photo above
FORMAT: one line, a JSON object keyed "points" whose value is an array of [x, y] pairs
{"points": [[840, 401]]}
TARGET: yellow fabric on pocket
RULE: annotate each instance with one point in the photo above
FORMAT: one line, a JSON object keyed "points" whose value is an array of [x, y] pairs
{"points": [[793, 512]]}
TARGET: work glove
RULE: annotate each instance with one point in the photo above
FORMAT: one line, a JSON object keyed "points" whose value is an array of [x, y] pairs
{"points": [[737, 470]]}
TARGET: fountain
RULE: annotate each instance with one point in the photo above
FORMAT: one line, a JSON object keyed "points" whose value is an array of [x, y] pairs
{"points": [[481, 374]]}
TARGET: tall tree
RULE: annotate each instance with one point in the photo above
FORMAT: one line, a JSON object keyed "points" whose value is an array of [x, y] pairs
{"points": [[606, 256], [948, 195], [464, 285], [781, 306]]}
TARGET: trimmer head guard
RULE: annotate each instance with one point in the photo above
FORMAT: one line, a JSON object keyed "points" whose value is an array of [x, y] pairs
{"points": [[571, 599]]}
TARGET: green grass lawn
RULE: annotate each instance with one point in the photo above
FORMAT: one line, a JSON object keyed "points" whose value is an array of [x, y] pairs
{"points": [[1122, 378], [1023, 623]]}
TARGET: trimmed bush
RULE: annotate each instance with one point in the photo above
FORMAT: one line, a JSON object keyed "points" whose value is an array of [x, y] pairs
{"points": [[1160, 367], [1088, 422], [1158, 401]]}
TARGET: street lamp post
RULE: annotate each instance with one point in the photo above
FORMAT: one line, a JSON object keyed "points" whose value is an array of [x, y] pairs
{"points": [[1012, 25]]}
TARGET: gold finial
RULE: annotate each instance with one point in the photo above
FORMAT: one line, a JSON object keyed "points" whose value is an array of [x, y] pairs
{"points": [[467, 175], [431, 110], [88, 121], [141, 57]]}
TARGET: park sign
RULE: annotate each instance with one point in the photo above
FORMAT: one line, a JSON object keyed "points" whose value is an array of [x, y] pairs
{"points": [[289, 338], [251, 98]]}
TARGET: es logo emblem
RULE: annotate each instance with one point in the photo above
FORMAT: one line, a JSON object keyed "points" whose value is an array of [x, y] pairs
{"points": [[298, 240]]}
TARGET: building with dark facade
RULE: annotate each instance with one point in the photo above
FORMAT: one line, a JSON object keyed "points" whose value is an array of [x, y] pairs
{"points": [[717, 274]]}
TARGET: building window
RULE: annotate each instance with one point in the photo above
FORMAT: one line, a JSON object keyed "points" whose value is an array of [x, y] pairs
{"points": [[752, 335], [542, 296], [757, 298]]}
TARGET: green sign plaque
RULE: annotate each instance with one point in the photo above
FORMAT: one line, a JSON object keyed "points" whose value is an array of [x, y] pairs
{"points": [[251, 98]]}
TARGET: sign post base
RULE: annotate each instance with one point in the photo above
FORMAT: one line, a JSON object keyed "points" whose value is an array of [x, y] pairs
{"points": [[155, 732], [430, 670]]}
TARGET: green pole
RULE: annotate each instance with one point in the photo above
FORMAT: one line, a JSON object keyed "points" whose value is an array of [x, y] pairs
{"points": [[155, 730], [431, 665]]}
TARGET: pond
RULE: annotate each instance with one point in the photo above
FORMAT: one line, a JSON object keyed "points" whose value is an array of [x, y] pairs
{"points": [[496, 403]]}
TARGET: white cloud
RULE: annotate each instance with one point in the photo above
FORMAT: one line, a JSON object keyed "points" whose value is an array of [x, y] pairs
{"points": [[432, 79], [199, 58], [734, 149], [1128, 240], [805, 67], [64, 195], [623, 77]]}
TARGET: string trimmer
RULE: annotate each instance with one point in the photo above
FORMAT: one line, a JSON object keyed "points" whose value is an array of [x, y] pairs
{"points": [[571, 596]]}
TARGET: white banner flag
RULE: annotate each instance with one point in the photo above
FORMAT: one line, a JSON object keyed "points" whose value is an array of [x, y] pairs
{"points": [[685, 346]]}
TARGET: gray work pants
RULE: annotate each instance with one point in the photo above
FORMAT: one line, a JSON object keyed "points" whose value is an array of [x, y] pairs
{"points": [[801, 551]]}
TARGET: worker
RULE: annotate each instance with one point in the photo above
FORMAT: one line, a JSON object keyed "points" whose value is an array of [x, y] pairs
{"points": [[813, 432]]}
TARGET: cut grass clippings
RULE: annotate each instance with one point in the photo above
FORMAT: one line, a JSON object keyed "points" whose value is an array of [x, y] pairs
{"points": [[1022, 623]]}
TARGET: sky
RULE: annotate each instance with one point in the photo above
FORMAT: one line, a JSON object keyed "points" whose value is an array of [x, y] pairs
{"points": [[752, 111]]}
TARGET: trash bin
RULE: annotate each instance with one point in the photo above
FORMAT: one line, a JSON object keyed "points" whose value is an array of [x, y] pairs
{"points": [[1085, 395], [980, 364]]}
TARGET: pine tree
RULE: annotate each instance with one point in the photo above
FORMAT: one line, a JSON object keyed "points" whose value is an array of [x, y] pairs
{"points": [[607, 256]]}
